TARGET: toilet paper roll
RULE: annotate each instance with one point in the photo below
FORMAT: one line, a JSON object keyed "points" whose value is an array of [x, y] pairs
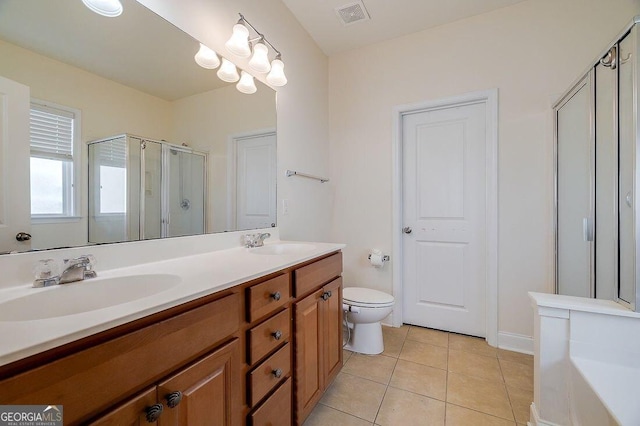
{"points": [[376, 258]]}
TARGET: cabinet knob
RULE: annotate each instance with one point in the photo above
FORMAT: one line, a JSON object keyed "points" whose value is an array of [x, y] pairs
{"points": [[276, 296], [277, 334], [173, 399], [277, 373], [329, 293], [325, 295], [153, 412]]}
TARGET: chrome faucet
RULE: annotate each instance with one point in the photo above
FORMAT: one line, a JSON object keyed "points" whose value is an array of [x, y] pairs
{"points": [[255, 240], [77, 269]]}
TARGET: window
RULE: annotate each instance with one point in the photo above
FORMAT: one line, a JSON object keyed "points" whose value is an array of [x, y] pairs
{"points": [[53, 139]]}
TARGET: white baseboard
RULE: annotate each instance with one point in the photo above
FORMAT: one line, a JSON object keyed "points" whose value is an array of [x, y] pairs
{"points": [[535, 419], [515, 342]]}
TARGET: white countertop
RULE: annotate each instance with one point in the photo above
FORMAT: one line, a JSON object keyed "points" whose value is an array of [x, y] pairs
{"points": [[200, 275]]}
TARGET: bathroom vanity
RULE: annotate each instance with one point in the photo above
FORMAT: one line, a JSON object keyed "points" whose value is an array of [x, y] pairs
{"points": [[258, 344]]}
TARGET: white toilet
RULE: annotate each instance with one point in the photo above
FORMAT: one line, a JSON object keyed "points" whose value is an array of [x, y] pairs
{"points": [[364, 309]]}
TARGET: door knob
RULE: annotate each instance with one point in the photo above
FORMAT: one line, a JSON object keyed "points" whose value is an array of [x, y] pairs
{"points": [[23, 236], [407, 229]]}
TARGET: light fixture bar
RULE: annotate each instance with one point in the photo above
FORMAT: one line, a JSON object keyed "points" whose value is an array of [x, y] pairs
{"points": [[260, 37]]}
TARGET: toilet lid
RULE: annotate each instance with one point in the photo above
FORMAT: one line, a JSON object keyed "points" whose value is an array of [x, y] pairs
{"points": [[360, 296]]}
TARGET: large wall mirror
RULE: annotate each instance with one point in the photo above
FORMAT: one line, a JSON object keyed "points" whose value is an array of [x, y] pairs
{"points": [[112, 132]]}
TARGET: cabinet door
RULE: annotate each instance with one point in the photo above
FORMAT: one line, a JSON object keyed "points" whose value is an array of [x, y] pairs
{"points": [[210, 391], [131, 413], [308, 354], [332, 321]]}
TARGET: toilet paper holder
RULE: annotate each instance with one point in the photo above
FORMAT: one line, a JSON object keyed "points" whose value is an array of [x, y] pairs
{"points": [[385, 258]]}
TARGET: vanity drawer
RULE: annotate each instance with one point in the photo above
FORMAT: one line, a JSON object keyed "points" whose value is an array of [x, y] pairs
{"points": [[312, 276], [269, 373], [267, 336], [267, 296], [276, 410]]}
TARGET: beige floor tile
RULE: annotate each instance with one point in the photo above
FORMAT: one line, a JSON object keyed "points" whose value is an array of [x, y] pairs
{"points": [[521, 400], [476, 345], [459, 416], [515, 357], [479, 394], [428, 335], [405, 408], [418, 378], [377, 368], [324, 416], [394, 339], [517, 375], [473, 364], [345, 356], [354, 395], [423, 353]]}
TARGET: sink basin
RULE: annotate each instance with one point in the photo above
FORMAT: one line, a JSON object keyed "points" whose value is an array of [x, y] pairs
{"points": [[85, 296], [283, 248]]}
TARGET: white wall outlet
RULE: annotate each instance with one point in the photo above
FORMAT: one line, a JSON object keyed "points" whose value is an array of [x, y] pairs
{"points": [[285, 207]]}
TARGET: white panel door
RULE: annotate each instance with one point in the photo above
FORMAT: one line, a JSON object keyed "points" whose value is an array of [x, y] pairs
{"points": [[444, 200], [15, 199], [256, 181]]}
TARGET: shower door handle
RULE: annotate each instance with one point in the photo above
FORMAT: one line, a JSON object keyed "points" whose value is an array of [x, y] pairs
{"points": [[587, 229]]}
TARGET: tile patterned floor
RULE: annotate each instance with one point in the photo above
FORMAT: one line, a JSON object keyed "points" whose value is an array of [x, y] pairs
{"points": [[428, 377]]}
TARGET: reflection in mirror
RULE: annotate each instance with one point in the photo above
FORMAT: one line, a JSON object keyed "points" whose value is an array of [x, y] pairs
{"points": [[199, 156]]}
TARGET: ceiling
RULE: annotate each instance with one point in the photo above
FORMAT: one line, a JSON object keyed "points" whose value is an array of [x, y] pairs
{"points": [[389, 19], [138, 49]]}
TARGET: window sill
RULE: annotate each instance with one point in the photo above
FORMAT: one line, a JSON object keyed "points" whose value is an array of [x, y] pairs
{"points": [[40, 220]]}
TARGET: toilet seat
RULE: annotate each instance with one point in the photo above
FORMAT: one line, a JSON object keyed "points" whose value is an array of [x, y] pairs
{"points": [[366, 297]]}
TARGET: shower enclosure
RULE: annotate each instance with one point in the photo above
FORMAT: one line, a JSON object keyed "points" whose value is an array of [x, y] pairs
{"points": [[142, 189]]}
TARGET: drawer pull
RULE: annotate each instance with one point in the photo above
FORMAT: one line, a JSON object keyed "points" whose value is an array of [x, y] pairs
{"points": [[277, 334], [276, 296], [153, 413], [173, 399], [277, 373]]}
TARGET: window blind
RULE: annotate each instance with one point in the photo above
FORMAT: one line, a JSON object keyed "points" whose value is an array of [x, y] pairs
{"points": [[113, 153], [51, 133]]}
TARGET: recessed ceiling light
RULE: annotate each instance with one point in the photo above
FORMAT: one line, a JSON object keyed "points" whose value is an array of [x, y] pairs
{"points": [[108, 8]]}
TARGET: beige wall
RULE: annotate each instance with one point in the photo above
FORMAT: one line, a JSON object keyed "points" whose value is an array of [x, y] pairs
{"points": [[531, 52], [120, 109], [302, 104]]}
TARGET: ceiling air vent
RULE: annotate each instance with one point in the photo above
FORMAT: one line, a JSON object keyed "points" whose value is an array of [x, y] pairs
{"points": [[352, 13]]}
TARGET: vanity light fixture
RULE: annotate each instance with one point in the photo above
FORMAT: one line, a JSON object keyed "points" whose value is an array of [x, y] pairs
{"points": [[246, 83], [207, 58], [241, 45], [108, 8], [228, 71]]}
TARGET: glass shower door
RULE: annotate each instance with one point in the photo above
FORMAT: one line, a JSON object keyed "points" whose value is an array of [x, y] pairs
{"points": [[574, 176], [184, 192]]}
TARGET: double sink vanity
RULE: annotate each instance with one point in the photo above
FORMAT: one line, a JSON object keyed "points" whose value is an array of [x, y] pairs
{"points": [[233, 336]]}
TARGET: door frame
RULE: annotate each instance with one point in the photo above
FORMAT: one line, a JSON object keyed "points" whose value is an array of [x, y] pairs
{"points": [[232, 153], [490, 99]]}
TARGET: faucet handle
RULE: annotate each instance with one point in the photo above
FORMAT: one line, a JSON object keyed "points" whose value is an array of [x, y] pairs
{"points": [[45, 268]]}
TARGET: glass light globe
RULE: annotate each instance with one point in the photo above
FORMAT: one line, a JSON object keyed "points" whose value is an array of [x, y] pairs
{"points": [[228, 71], [260, 60], [207, 58], [276, 77], [108, 8], [246, 83], [238, 43]]}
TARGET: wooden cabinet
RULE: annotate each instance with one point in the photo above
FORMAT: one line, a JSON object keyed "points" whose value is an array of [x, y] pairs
{"points": [[318, 344], [260, 353], [91, 381]]}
